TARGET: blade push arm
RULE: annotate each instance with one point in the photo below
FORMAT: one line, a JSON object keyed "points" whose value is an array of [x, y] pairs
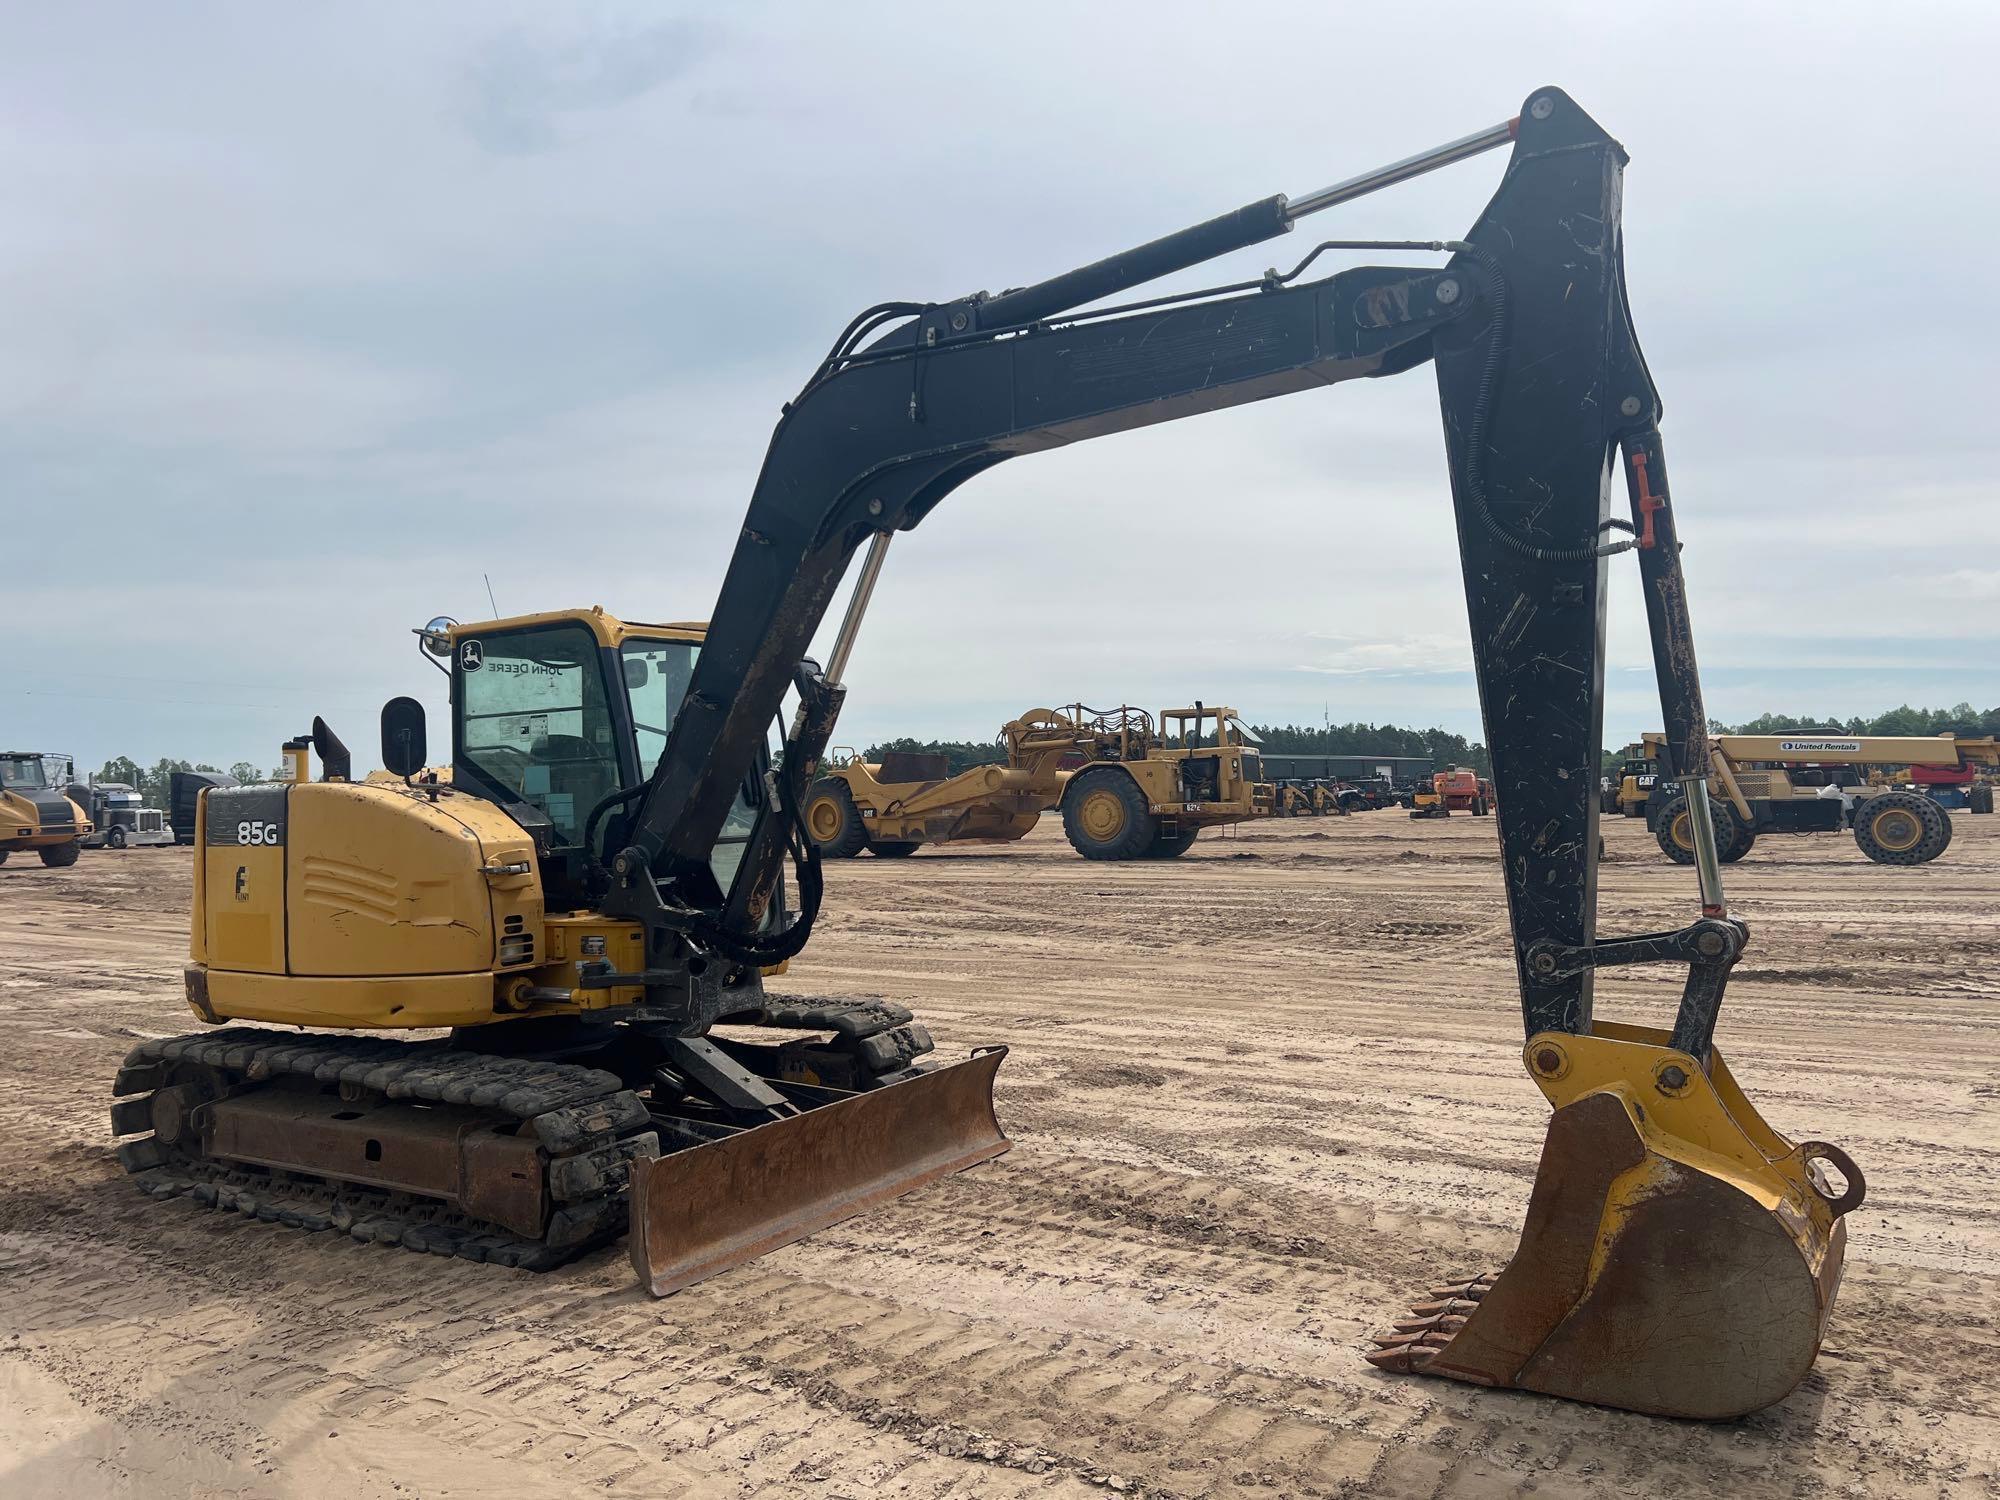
{"points": [[1539, 380]]}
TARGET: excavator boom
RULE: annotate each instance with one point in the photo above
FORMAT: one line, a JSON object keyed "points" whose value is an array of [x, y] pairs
{"points": [[1669, 1223]]}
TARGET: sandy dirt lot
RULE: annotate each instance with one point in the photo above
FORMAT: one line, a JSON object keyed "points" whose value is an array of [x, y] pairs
{"points": [[1261, 1097]]}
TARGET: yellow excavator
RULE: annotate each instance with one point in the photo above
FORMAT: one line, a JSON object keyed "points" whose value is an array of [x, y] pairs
{"points": [[893, 806], [534, 990]]}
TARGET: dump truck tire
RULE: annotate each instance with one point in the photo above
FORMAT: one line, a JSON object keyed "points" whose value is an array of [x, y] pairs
{"points": [[1171, 845], [885, 849], [835, 822], [115, 838], [61, 856], [1979, 799], [1676, 835], [1106, 815], [1893, 828]]}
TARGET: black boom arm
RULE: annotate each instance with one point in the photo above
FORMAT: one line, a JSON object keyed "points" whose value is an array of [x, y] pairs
{"points": [[1540, 380]]}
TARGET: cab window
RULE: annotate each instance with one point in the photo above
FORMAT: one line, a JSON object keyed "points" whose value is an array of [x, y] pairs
{"points": [[534, 721]]}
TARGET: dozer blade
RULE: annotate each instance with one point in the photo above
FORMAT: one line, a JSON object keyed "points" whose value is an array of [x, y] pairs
{"points": [[1679, 1258], [705, 1209]]}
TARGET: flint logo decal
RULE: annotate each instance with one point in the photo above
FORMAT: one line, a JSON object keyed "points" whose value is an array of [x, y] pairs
{"points": [[471, 656], [1801, 747]]}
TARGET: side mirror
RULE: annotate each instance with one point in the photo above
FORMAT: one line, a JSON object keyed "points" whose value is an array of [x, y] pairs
{"points": [[636, 674], [403, 746]]}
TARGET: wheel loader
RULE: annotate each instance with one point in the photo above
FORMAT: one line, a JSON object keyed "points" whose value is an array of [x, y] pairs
{"points": [[36, 815], [1147, 793], [1806, 783], [894, 806], [533, 994]]}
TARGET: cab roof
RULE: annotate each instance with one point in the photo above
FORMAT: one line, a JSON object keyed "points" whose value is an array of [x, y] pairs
{"points": [[608, 628]]}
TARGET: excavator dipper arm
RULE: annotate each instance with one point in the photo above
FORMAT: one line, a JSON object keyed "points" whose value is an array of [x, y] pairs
{"points": [[1666, 1214]]}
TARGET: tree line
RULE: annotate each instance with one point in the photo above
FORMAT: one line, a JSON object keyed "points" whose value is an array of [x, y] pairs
{"points": [[154, 783]]}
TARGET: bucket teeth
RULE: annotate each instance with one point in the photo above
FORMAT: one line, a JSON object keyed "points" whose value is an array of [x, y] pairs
{"points": [[1442, 1321], [1414, 1341]]}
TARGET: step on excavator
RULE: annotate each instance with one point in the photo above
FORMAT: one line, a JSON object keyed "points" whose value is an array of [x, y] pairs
{"points": [[591, 900]]}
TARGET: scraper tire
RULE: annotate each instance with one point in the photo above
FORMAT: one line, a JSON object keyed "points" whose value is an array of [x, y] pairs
{"points": [[835, 822], [1106, 815]]}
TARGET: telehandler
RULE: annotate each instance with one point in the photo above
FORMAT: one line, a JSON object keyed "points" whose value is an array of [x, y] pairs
{"points": [[36, 815], [586, 914], [894, 806]]}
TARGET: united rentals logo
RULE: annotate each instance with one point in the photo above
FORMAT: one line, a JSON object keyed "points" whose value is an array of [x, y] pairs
{"points": [[1806, 747]]}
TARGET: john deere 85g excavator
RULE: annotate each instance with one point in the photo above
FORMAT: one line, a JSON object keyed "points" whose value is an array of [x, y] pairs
{"points": [[585, 924]]}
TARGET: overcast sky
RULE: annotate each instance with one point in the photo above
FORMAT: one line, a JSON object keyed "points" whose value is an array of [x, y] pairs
{"points": [[315, 315]]}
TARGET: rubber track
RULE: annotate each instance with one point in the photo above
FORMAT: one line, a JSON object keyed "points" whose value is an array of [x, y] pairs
{"points": [[574, 1111]]}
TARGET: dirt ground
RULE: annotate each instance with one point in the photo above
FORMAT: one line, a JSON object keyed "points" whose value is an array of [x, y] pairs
{"points": [[1260, 1097]]}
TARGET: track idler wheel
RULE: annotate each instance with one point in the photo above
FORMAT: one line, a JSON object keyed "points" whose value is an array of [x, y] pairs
{"points": [[1679, 1258]]}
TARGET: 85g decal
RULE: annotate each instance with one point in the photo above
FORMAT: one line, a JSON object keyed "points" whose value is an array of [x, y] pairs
{"points": [[251, 817]]}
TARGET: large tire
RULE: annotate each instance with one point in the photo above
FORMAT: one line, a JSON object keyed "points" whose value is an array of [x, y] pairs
{"points": [[1106, 815], [834, 821], [1979, 798], [1899, 828], [886, 849], [1171, 845], [1940, 820], [1675, 832], [3, 855], [1479, 807], [61, 856], [115, 838]]}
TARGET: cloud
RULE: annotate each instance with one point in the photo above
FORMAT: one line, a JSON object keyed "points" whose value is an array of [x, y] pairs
{"points": [[522, 89]]}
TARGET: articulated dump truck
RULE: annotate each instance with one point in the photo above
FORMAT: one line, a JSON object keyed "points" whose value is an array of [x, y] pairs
{"points": [[535, 993], [37, 815]]}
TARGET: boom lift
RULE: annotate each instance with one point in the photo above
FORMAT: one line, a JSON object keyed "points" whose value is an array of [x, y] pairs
{"points": [[1758, 792], [1679, 1256]]}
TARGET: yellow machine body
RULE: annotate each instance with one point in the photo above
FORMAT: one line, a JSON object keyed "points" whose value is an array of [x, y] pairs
{"points": [[904, 800], [36, 815], [369, 905], [1752, 767], [1231, 787]]}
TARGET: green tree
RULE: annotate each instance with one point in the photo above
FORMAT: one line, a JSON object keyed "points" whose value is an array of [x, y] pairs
{"points": [[246, 773], [1440, 745], [122, 768]]}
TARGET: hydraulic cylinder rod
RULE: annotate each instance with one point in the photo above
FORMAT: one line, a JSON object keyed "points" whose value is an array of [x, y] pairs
{"points": [[857, 606], [1249, 225]]}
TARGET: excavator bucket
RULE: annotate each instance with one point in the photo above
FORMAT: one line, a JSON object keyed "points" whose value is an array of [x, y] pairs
{"points": [[700, 1211], [1679, 1258]]}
